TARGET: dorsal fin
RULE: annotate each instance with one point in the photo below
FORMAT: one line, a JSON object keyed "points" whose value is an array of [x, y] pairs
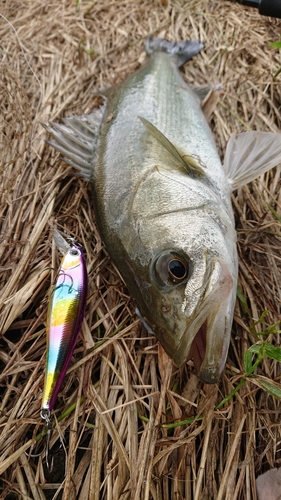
{"points": [[76, 139], [188, 162]]}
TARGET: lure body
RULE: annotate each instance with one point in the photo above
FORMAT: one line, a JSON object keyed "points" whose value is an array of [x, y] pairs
{"points": [[65, 316]]}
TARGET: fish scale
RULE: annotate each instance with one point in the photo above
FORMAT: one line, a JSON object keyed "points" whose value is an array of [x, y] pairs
{"points": [[162, 201]]}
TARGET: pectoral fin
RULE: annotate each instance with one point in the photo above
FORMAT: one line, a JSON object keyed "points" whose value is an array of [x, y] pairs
{"points": [[188, 162], [251, 154]]}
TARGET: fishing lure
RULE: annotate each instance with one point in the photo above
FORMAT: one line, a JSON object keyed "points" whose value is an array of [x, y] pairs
{"points": [[65, 315]]}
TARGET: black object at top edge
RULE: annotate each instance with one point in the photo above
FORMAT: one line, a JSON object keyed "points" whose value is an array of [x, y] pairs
{"points": [[270, 8]]}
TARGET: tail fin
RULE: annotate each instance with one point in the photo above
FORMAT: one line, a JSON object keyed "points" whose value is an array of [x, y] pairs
{"points": [[179, 52]]}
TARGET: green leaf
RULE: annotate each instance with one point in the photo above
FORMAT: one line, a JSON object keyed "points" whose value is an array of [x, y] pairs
{"points": [[262, 318], [255, 348], [269, 386], [276, 73], [231, 394], [272, 329], [273, 352], [275, 45], [278, 217], [248, 362], [242, 299], [258, 349]]}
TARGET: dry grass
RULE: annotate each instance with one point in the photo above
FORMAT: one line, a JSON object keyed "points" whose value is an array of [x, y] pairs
{"points": [[121, 392]]}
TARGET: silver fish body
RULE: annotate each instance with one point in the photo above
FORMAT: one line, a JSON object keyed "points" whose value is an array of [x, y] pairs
{"points": [[162, 204], [149, 207]]}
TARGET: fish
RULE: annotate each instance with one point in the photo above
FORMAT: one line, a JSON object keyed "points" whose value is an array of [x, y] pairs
{"points": [[269, 485], [65, 314], [162, 200]]}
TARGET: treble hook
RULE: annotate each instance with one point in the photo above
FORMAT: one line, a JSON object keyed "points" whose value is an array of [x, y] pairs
{"points": [[47, 434], [46, 415]]}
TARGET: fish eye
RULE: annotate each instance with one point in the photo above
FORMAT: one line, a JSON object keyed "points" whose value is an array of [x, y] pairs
{"points": [[177, 270], [171, 269]]}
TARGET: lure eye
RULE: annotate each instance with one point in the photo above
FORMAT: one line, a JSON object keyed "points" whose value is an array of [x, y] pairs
{"points": [[171, 269], [74, 252]]}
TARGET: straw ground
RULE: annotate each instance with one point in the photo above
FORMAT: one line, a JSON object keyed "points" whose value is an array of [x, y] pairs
{"points": [[133, 426]]}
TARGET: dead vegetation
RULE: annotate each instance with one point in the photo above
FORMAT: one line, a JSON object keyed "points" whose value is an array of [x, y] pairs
{"points": [[132, 425]]}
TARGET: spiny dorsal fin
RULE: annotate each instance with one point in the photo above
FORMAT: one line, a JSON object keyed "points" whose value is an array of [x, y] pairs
{"points": [[76, 139], [188, 162], [251, 154]]}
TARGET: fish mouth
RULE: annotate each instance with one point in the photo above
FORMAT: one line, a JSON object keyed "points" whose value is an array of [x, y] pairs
{"points": [[207, 335], [198, 347], [208, 362], [208, 346]]}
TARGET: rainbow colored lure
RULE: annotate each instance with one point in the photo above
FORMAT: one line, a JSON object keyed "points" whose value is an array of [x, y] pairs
{"points": [[65, 316]]}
